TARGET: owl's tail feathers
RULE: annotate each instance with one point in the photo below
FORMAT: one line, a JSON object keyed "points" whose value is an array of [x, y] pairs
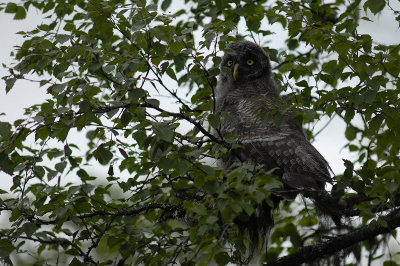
{"points": [[257, 226], [327, 205], [313, 188]]}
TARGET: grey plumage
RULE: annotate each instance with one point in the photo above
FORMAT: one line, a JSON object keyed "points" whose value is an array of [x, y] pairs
{"points": [[246, 90]]}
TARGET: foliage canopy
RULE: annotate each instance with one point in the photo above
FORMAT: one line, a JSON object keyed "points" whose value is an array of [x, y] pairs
{"points": [[137, 80]]}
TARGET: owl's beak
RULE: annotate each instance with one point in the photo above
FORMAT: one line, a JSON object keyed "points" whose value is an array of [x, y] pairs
{"points": [[235, 71]]}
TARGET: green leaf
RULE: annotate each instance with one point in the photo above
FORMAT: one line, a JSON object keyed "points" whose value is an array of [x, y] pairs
{"points": [[222, 258], [10, 83], [375, 124], [200, 209], [61, 166], [62, 211], [176, 47], [123, 153], [390, 263], [69, 27], [211, 186], [171, 73], [136, 94], [236, 207], [82, 173], [29, 229], [110, 171], [349, 115], [62, 38], [140, 137], [44, 27], [164, 131], [302, 83], [165, 4], [20, 14], [5, 130], [210, 171], [84, 106], [11, 8], [6, 165], [5, 248], [375, 5], [350, 133], [51, 174], [330, 108], [248, 209], [211, 219], [76, 262], [126, 117], [214, 121], [369, 96], [153, 102], [103, 155]]}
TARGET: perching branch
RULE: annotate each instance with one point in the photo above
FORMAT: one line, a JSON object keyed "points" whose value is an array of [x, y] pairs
{"points": [[310, 253]]}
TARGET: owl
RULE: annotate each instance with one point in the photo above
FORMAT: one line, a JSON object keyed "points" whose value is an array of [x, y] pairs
{"points": [[246, 91]]}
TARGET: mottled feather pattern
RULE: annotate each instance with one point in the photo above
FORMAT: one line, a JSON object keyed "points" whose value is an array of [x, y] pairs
{"points": [[241, 100], [286, 144], [246, 101]]}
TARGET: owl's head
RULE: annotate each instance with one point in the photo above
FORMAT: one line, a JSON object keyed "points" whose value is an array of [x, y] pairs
{"points": [[244, 61]]}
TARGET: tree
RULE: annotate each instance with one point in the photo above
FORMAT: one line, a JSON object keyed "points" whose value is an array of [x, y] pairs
{"points": [[161, 197]]}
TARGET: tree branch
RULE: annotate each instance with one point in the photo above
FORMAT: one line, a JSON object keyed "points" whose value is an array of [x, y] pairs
{"points": [[319, 250], [58, 242], [174, 209], [306, 54]]}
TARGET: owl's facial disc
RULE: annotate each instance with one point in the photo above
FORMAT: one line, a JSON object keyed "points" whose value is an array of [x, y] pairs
{"points": [[245, 68], [243, 62]]}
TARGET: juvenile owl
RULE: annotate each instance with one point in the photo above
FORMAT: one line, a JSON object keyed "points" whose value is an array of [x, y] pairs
{"points": [[246, 90]]}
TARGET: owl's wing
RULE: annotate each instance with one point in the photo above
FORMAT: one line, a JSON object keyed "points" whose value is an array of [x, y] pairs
{"points": [[302, 166]]}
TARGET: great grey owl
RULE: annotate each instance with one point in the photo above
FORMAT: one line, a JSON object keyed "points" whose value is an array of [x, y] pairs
{"points": [[246, 90]]}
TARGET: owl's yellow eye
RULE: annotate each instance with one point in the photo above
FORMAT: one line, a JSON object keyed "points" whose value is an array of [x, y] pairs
{"points": [[229, 63], [250, 62]]}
